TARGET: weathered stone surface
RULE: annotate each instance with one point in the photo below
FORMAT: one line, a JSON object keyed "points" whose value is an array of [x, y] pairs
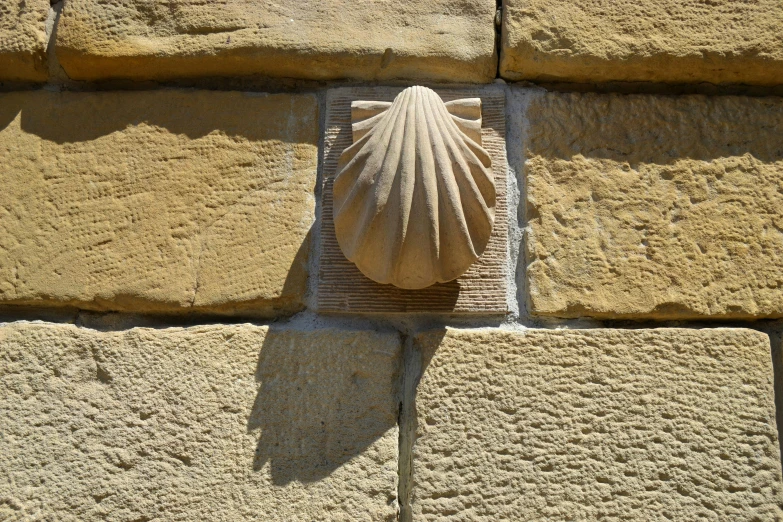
{"points": [[23, 40], [204, 423], [721, 41], [650, 206], [435, 40], [157, 201], [668, 424]]}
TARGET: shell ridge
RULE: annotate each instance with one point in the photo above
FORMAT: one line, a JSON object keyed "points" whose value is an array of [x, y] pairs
{"points": [[462, 239], [415, 261], [483, 162], [483, 177], [363, 127], [473, 203], [352, 205], [383, 181], [473, 150], [361, 110], [456, 253], [358, 183], [406, 177], [447, 197], [389, 244], [349, 164], [468, 108], [470, 128], [351, 185], [433, 211], [466, 113], [374, 254], [463, 172], [414, 196], [478, 152]]}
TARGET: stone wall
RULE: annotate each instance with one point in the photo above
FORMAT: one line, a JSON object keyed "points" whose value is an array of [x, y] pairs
{"points": [[180, 338]]}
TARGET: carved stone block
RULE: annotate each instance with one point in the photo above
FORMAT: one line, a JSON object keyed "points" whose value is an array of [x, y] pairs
{"points": [[481, 289]]}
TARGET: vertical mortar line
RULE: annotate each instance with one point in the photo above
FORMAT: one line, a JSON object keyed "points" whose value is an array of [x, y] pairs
{"points": [[513, 197], [518, 101], [407, 426], [776, 351], [498, 24], [57, 75]]}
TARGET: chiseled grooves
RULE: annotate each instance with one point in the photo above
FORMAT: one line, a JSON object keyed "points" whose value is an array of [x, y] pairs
{"points": [[415, 198]]}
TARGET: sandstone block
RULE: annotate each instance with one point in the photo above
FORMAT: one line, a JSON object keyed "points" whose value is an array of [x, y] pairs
{"points": [[653, 206], [156, 201], [203, 423], [667, 424], [435, 40], [23, 40], [677, 41]]}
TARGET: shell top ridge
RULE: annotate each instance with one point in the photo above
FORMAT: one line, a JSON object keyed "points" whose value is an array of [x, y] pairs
{"points": [[414, 196]]}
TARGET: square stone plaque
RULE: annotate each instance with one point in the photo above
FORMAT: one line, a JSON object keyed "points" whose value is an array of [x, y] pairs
{"points": [[480, 290]]}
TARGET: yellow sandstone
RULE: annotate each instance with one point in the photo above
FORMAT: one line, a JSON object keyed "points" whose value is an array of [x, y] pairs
{"points": [[157, 201], [446, 40], [675, 41], [204, 423], [23, 40], [654, 206], [664, 424]]}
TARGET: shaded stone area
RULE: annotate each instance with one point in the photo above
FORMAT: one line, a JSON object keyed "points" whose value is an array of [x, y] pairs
{"points": [[203, 423]]}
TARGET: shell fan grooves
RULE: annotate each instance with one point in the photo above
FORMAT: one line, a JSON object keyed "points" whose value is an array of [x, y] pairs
{"points": [[414, 196]]}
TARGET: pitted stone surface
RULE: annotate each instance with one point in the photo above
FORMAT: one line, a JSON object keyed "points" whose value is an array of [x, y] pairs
{"points": [[654, 206], [203, 423], [23, 40], [157, 201], [676, 41], [444, 40], [666, 424]]}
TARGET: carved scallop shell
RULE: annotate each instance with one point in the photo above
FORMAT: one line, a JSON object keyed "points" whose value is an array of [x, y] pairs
{"points": [[414, 197]]}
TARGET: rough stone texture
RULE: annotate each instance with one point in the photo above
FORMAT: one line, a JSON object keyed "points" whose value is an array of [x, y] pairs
{"points": [[482, 289], [204, 423], [23, 40], [668, 424], [370, 40], [718, 41], [157, 201], [651, 206]]}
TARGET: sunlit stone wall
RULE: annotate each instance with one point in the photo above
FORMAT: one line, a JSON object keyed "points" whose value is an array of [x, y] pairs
{"points": [[181, 340]]}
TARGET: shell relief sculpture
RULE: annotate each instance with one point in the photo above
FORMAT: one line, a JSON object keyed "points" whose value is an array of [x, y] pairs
{"points": [[414, 196]]}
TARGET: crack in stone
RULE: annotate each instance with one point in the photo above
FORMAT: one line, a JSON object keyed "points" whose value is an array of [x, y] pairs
{"points": [[407, 426]]}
